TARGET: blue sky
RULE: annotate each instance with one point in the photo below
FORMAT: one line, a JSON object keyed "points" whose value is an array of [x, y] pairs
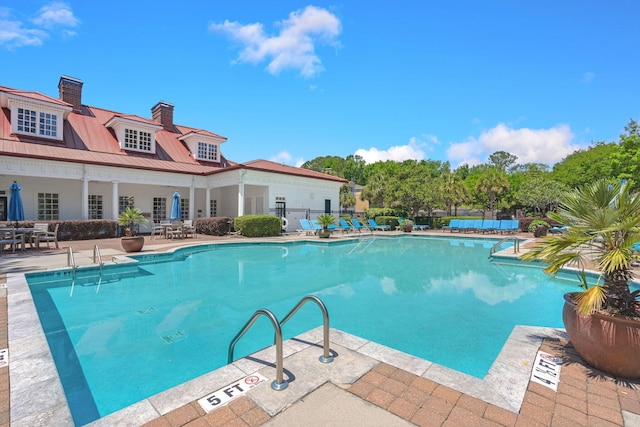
{"points": [[290, 81]]}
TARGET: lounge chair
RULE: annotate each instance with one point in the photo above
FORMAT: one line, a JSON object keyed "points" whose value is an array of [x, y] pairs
{"points": [[345, 226], [558, 230], [421, 227], [375, 226], [306, 227], [454, 224], [356, 224], [489, 226]]}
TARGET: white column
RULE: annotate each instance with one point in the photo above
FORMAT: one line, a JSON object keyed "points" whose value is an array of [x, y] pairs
{"points": [[192, 199], [114, 200], [85, 194], [207, 201], [241, 193]]}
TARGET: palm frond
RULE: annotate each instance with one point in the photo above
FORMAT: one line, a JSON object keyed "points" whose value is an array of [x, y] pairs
{"points": [[589, 300]]}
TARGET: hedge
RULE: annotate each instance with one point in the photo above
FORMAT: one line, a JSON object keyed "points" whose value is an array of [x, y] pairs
{"points": [[258, 225]]}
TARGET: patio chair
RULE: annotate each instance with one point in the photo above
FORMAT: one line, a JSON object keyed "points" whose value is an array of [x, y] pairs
{"points": [[160, 228], [306, 227], [359, 227], [346, 227], [454, 224], [558, 230], [48, 236], [382, 227], [176, 231], [188, 230], [8, 236]]}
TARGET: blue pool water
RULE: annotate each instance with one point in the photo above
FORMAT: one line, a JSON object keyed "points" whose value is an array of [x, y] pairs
{"points": [[143, 329]]}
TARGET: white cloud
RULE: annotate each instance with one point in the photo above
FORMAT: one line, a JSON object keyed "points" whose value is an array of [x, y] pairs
{"points": [[15, 33], [56, 14], [547, 146], [587, 77], [415, 150], [286, 158], [293, 47]]}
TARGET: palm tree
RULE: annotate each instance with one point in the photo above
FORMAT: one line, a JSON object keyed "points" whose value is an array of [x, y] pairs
{"points": [[604, 225], [492, 182], [375, 189], [453, 191]]}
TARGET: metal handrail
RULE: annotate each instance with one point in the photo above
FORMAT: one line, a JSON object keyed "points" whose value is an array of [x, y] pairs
{"points": [[516, 245], [326, 357], [279, 383], [71, 262], [97, 259]]}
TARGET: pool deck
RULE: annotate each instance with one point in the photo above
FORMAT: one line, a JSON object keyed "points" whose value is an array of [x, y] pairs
{"points": [[366, 384]]}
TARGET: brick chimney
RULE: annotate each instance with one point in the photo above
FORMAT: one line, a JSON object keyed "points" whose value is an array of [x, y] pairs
{"points": [[162, 113], [71, 92]]}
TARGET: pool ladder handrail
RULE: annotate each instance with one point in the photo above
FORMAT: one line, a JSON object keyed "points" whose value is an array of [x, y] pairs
{"points": [[280, 383], [326, 356], [516, 245]]}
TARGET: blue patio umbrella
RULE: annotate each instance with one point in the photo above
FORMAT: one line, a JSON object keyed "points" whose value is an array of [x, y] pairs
{"points": [[175, 207], [16, 211]]}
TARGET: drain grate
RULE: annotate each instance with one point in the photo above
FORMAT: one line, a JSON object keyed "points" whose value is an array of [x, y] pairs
{"points": [[147, 310], [173, 336]]}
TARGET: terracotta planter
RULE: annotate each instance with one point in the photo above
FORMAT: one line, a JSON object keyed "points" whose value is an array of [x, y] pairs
{"points": [[608, 343], [541, 231], [132, 244]]}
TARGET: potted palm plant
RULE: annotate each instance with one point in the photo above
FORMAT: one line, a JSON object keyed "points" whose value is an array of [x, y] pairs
{"points": [[325, 220], [128, 218], [602, 321]]}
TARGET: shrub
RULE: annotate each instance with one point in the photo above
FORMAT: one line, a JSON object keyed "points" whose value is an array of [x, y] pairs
{"points": [[258, 225], [535, 223], [214, 226]]}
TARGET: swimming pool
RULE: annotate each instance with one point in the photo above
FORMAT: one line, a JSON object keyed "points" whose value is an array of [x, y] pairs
{"points": [[171, 318]]}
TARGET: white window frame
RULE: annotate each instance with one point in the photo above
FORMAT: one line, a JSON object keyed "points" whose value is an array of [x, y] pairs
{"points": [[207, 151], [41, 112], [133, 135]]}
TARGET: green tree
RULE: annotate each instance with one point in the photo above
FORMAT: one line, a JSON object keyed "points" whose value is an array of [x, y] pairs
{"points": [[540, 193], [492, 183], [347, 198], [626, 162], [354, 167], [333, 165], [374, 190], [587, 165], [502, 160], [453, 191]]}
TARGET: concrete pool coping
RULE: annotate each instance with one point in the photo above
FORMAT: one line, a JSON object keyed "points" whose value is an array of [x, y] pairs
{"points": [[37, 397]]}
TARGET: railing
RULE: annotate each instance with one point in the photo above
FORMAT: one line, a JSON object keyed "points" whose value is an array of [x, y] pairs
{"points": [[97, 259], [71, 262], [280, 383], [326, 356], [516, 245]]}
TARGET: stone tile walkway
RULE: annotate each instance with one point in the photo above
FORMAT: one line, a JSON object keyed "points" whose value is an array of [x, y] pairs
{"points": [[585, 397]]}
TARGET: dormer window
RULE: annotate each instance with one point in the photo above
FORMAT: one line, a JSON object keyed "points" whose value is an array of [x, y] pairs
{"points": [[37, 123], [203, 145], [137, 140], [135, 133], [207, 151], [34, 119]]}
